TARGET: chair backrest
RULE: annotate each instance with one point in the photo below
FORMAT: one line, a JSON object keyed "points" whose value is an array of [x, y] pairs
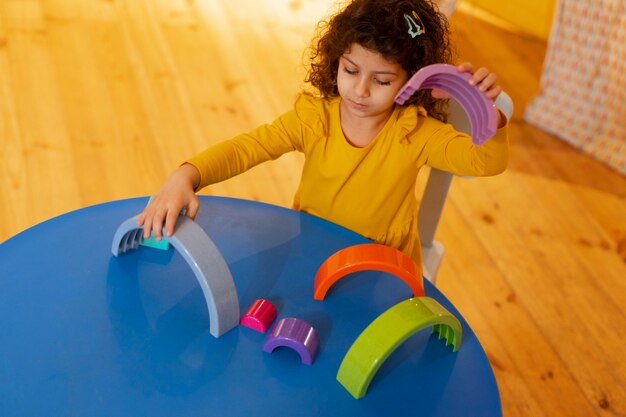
{"points": [[436, 191]]}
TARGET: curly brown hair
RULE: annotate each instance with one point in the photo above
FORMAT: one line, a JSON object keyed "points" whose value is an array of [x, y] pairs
{"points": [[381, 26]]}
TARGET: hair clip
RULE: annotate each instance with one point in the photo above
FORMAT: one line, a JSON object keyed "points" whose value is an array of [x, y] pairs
{"points": [[415, 28]]}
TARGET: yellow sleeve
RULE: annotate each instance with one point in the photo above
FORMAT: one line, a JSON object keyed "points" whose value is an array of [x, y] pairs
{"points": [[448, 150], [267, 142]]}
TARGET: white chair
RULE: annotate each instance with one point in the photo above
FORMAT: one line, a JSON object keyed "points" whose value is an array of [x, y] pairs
{"points": [[436, 191]]}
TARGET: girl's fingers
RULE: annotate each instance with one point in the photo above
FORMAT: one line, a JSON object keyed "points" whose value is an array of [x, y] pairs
{"points": [[157, 223], [437, 93], [147, 227], [466, 67], [157, 228], [145, 219], [479, 76], [192, 210], [487, 82], [170, 222], [494, 92]]}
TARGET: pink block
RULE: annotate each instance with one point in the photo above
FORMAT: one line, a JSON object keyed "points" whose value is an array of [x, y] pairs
{"points": [[259, 316]]}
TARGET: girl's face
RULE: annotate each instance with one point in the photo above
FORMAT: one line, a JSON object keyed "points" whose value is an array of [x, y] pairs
{"points": [[367, 82]]}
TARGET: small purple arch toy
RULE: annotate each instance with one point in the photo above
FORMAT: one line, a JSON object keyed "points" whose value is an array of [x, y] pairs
{"points": [[480, 110], [296, 334]]}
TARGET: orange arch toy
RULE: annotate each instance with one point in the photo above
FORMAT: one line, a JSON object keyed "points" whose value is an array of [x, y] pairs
{"points": [[364, 257]]}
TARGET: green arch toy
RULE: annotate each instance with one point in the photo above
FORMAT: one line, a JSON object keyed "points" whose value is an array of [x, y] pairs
{"points": [[387, 332]]}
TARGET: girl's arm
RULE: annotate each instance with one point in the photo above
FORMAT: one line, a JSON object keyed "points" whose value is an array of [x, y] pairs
{"points": [[451, 151], [219, 162]]}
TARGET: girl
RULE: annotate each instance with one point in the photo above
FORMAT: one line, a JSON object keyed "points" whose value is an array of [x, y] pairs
{"points": [[362, 151]]}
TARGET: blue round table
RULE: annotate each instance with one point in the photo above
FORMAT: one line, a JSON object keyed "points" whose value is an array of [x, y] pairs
{"points": [[84, 333]]}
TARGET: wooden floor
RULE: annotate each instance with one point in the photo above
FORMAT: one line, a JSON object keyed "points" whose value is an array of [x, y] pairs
{"points": [[99, 100]]}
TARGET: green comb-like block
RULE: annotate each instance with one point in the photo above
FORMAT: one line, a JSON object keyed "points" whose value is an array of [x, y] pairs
{"points": [[153, 243], [387, 332]]}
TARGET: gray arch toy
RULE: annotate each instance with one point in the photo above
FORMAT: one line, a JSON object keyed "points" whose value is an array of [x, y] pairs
{"points": [[206, 262]]}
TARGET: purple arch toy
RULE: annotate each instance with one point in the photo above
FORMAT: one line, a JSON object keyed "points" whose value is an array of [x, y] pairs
{"points": [[481, 111], [296, 334]]}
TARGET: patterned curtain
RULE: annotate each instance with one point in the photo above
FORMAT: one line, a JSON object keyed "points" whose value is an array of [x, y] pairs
{"points": [[583, 84]]}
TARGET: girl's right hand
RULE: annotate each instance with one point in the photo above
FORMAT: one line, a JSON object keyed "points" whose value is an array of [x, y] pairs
{"points": [[177, 193]]}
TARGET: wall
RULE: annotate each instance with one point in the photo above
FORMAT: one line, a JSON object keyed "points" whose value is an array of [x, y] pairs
{"points": [[528, 16]]}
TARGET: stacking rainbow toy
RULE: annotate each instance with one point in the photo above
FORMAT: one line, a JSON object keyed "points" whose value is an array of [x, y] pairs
{"points": [[387, 332], [481, 111], [206, 262]]}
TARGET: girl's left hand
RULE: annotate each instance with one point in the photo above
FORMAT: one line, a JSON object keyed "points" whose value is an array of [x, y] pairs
{"points": [[483, 79]]}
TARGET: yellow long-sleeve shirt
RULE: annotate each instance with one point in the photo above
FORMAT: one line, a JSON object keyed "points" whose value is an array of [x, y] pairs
{"points": [[369, 190]]}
